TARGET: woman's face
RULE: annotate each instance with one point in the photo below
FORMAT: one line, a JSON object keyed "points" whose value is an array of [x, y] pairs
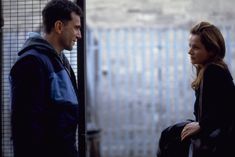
{"points": [[197, 51]]}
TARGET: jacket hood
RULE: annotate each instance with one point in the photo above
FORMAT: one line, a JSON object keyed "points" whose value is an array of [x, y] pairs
{"points": [[35, 41]]}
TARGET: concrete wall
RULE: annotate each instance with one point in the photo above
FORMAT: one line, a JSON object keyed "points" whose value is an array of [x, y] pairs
{"points": [[158, 13]]}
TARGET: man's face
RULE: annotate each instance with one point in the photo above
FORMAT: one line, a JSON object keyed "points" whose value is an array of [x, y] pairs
{"points": [[71, 32]]}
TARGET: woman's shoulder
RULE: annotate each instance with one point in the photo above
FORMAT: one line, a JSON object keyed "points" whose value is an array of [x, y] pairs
{"points": [[217, 71], [215, 68]]}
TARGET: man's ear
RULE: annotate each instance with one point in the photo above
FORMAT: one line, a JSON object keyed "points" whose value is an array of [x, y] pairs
{"points": [[58, 26]]}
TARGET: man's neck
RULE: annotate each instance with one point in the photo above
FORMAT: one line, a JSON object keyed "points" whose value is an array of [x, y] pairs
{"points": [[52, 39]]}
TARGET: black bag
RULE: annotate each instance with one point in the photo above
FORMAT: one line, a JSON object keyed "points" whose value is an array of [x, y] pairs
{"points": [[206, 146], [170, 143]]}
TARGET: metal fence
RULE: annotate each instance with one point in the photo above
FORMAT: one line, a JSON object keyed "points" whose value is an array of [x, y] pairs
{"points": [[139, 84]]}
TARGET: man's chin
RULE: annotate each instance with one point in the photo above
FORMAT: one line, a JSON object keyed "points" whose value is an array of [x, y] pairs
{"points": [[69, 48]]}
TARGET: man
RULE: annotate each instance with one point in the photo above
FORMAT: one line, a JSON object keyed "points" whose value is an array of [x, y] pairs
{"points": [[43, 87]]}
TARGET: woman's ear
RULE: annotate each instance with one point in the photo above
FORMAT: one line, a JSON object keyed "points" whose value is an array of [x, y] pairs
{"points": [[58, 26]]}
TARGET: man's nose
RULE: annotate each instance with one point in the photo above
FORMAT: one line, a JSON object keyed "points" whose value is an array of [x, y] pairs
{"points": [[79, 35]]}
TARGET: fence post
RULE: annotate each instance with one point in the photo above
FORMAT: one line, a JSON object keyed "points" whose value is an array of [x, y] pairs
{"points": [[81, 66], [1, 53]]}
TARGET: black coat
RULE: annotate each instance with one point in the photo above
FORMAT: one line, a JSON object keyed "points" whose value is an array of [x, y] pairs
{"points": [[44, 103], [218, 100], [216, 121]]}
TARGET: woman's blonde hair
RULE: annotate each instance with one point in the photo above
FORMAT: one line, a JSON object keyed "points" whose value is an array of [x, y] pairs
{"points": [[214, 43]]}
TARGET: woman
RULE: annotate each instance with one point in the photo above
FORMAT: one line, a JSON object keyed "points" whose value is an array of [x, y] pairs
{"points": [[215, 98]]}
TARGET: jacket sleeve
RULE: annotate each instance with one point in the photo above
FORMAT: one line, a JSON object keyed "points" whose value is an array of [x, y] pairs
{"points": [[28, 104], [216, 105]]}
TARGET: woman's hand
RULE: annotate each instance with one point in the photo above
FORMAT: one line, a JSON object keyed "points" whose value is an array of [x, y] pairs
{"points": [[189, 130]]}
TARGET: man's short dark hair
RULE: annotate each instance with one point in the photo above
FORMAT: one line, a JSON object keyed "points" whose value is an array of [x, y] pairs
{"points": [[58, 10]]}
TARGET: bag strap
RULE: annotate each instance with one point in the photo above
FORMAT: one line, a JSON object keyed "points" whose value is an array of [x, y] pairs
{"points": [[200, 101]]}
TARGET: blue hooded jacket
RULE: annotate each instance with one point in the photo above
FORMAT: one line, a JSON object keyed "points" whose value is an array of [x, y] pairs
{"points": [[44, 102]]}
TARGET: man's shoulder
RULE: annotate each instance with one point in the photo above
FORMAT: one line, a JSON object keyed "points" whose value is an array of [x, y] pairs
{"points": [[34, 53], [30, 59]]}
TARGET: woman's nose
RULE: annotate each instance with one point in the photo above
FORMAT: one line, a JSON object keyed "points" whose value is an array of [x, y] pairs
{"points": [[190, 51]]}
